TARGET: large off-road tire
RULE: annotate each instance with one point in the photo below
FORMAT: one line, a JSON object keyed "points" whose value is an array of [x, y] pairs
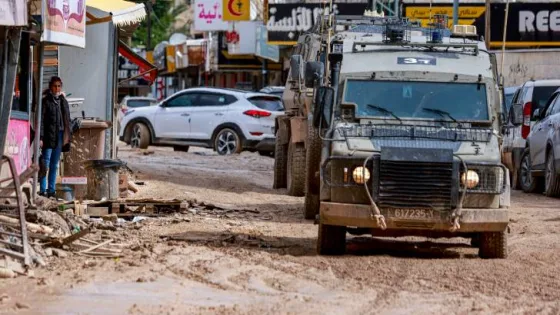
{"points": [[331, 240], [493, 245], [312, 180], [227, 142], [280, 165], [295, 177], [552, 180], [181, 148], [529, 183], [140, 137]]}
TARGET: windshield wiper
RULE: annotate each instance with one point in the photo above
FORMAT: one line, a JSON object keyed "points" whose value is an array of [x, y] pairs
{"points": [[384, 110], [440, 112]]}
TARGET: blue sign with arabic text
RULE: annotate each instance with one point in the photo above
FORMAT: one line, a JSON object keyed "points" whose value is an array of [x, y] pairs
{"points": [[264, 50]]}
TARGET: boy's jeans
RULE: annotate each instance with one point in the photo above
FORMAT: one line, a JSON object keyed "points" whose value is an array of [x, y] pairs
{"points": [[52, 159]]}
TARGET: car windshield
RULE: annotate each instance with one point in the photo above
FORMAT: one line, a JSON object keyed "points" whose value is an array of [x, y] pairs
{"points": [[429, 100], [140, 103], [273, 104]]}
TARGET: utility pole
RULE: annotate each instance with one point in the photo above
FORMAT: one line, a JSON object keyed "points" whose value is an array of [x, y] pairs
{"points": [[455, 12], [149, 24]]}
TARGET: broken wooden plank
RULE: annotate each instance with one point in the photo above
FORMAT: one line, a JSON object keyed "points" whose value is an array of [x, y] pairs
{"points": [[95, 247], [36, 228]]}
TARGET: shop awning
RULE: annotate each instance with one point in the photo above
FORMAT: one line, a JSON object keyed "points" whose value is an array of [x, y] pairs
{"points": [[147, 70], [119, 11]]}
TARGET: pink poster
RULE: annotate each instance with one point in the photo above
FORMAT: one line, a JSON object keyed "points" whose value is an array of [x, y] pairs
{"points": [[18, 145], [65, 22]]}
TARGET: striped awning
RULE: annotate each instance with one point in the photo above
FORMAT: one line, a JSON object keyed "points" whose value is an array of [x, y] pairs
{"points": [[119, 11]]}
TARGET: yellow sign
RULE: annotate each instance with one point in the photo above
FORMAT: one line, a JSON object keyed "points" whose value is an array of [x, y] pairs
{"points": [[467, 14], [236, 10], [170, 58]]}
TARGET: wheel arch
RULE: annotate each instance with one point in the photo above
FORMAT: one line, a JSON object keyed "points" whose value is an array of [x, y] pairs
{"points": [[222, 126], [128, 129]]}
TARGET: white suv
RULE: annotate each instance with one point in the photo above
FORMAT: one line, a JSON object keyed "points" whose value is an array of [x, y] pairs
{"points": [[531, 96], [226, 120]]}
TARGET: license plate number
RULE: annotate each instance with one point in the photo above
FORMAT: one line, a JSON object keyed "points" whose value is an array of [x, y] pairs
{"points": [[413, 214]]}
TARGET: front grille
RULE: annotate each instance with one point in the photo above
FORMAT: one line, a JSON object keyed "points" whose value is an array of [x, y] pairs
{"points": [[412, 184]]}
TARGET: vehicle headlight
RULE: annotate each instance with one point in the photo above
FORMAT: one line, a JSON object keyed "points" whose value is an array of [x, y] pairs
{"points": [[469, 179], [361, 175]]}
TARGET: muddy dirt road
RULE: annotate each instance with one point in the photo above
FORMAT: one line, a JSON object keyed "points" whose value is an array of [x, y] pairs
{"points": [[258, 256]]}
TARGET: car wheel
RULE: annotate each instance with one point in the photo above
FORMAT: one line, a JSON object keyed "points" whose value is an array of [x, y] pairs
{"points": [[552, 180], [280, 165], [331, 240], [181, 148], [528, 182], [227, 142], [140, 137], [493, 245]]}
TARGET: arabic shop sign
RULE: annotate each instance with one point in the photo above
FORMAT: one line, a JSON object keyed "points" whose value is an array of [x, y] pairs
{"points": [[529, 25], [208, 16], [286, 21], [469, 14]]}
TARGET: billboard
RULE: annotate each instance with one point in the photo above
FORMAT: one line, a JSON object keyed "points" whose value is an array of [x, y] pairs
{"points": [[286, 21], [469, 13], [208, 16], [64, 22], [534, 24], [263, 49]]}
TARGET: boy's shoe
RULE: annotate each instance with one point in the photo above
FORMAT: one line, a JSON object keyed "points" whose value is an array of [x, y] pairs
{"points": [[51, 195]]}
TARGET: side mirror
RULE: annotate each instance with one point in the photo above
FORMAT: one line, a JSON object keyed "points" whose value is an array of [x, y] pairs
{"points": [[516, 114], [296, 68], [322, 110], [537, 114], [313, 73]]}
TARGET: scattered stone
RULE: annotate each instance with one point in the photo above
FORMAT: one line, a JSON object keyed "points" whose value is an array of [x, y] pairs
{"points": [[141, 280], [48, 251], [111, 218], [4, 298], [6, 273], [59, 253], [21, 305]]}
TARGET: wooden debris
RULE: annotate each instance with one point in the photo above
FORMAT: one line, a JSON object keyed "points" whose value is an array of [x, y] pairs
{"points": [[94, 247], [97, 211], [32, 227], [67, 241], [132, 186]]}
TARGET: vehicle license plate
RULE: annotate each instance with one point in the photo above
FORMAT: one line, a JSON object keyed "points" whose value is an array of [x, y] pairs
{"points": [[413, 214]]}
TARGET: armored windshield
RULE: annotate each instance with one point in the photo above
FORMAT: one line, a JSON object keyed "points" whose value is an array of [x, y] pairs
{"points": [[424, 100]]}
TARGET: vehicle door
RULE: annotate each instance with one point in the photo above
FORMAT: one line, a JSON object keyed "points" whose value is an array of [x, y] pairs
{"points": [[540, 132], [554, 130], [509, 133], [209, 112], [172, 117]]}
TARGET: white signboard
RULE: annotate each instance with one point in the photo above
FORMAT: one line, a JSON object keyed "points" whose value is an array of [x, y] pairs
{"points": [[208, 16], [13, 12], [247, 37], [64, 22]]}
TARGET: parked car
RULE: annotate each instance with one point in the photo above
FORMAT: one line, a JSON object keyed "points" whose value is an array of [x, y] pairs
{"points": [[133, 102], [509, 92], [226, 120], [540, 162], [274, 90], [532, 95]]}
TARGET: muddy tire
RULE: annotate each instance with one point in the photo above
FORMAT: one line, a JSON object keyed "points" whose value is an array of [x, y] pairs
{"points": [[140, 137], [182, 148], [552, 180], [331, 240], [493, 245], [280, 165], [528, 182], [312, 178], [295, 177], [227, 142]]}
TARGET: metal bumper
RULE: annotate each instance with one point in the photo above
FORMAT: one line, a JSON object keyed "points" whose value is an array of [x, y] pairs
{"points": [[267, 144], [358, 215]]}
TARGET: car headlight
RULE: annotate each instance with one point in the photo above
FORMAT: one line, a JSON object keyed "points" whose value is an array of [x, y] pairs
{"points": [[470, 179], [361, 175]]}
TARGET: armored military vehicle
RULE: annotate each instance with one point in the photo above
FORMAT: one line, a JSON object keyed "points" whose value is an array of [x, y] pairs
{"points": [[408, 124]]}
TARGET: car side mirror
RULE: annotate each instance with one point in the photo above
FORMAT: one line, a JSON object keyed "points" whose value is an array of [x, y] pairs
{"points": [[322, 111], [296, 68], [516, 114], [313, 73], [537, 114]]}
